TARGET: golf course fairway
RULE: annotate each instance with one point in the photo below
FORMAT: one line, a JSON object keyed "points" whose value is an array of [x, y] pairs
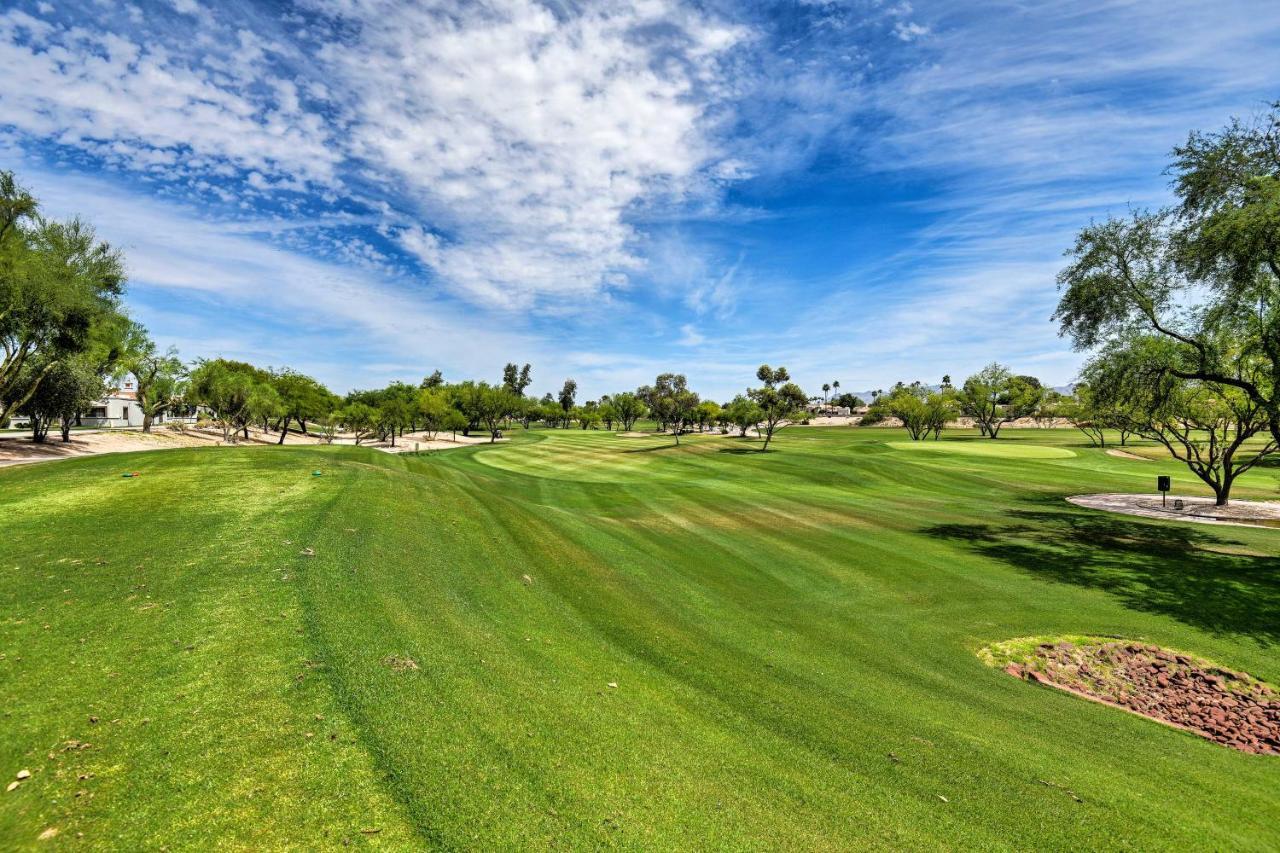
{"points": [[581, 640]]}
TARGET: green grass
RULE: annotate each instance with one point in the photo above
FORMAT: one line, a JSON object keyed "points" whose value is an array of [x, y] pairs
{"points": [[996, 447], [794, 637]]}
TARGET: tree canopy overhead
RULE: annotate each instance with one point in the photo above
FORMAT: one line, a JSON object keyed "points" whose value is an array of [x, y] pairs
{"points": [[1204, 275]]}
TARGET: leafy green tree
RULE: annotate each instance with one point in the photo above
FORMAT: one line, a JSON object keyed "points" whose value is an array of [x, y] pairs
{"points": [[236, 393], [707, 412], [849, 401], [454, 421], [515, 379], [394, 414], [434, 381], [587, 415], [494, 406], [630, 408], [994, 396], [743, 413], [910, 404], [567, 394], [302, 399], [465, 397], [433, 408], [360, 419], [57, 281], [1204, 275], [158, 377], [68, 388], [673, 403], [328, 424], [1206, 425], [779, 399], [608, 414]]}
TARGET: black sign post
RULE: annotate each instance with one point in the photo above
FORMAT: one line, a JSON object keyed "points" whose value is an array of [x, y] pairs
{"points": [[1162, 483]]}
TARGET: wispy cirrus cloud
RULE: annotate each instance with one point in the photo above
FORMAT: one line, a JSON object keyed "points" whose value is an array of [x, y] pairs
{"points": [[862, 189]]}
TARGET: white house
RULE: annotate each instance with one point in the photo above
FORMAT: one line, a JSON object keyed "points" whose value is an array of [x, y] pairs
{"points": [[119, 409]]}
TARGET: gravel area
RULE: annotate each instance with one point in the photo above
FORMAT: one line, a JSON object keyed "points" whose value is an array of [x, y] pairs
{"points": [[1199, 510]]}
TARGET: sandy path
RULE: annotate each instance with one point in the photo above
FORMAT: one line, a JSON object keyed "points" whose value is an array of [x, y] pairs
{"points": [[18, 449]]}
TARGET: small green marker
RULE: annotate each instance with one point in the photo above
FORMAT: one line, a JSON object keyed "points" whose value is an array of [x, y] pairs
{"points": [[317, 473]]}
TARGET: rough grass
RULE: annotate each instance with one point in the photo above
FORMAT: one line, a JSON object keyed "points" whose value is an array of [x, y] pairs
{"points": [[793, 637]]}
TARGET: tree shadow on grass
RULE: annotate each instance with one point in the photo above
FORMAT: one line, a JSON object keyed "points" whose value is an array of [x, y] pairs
{"points": [[1172, 570], [741, 450]]}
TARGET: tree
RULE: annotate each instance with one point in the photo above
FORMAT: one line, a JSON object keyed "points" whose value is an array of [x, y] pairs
{"points": [[743, 413], [706, 413], [454, 421], [394, 414], [515, 380], [68, 388], [550, 413], [225, 388], [910, 404], [1093, 414], [57, 281], [465, 397], [327, 425], [587, 416], [567, 395], [262, 406], [630, 408], [673, 402], [360, 419], [494, 405], [1205, 425], [608, 414], [1203, 276], [435, 380], [158, 377], [779, 399], [433, 407], [302, 399], [848, 401], [826, 389], [994, 396]]}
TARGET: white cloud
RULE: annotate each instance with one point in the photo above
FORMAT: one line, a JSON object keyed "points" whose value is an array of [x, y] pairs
{"points": [[147, 107], [525, 137], [690, 336], [909, 30]]}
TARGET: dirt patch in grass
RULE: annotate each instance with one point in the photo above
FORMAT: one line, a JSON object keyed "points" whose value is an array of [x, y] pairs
{"points": [[1227, 707], [400, 663]]}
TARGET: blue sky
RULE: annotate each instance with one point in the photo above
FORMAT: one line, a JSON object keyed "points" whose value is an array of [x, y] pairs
{"points": [[369, 190]]}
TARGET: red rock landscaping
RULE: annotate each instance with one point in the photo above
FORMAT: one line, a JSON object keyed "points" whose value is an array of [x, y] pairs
{"points": [[1230, 708]]}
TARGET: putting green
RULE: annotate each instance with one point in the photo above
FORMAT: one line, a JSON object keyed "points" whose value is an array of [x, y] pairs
{"points": [[987, 447]]}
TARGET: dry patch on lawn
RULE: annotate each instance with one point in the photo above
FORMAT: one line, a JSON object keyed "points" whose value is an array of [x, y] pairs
{"points": [[1180, 690]]}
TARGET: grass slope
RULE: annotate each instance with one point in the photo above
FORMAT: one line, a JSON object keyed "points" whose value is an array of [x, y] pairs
{"points": [[793, 637]]}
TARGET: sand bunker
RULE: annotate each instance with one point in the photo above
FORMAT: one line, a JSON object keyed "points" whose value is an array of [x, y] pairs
{"points": [[1199, 510], [1227, 707], [1124, 454]]}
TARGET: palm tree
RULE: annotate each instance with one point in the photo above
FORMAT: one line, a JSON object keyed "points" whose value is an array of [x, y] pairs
{"points": [[825, 388], [835, 385]]}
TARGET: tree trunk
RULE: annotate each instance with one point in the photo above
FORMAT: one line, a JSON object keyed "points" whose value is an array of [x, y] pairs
{"points": [[246, 430], [146, 421], [66, 429], [284, 429]]}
